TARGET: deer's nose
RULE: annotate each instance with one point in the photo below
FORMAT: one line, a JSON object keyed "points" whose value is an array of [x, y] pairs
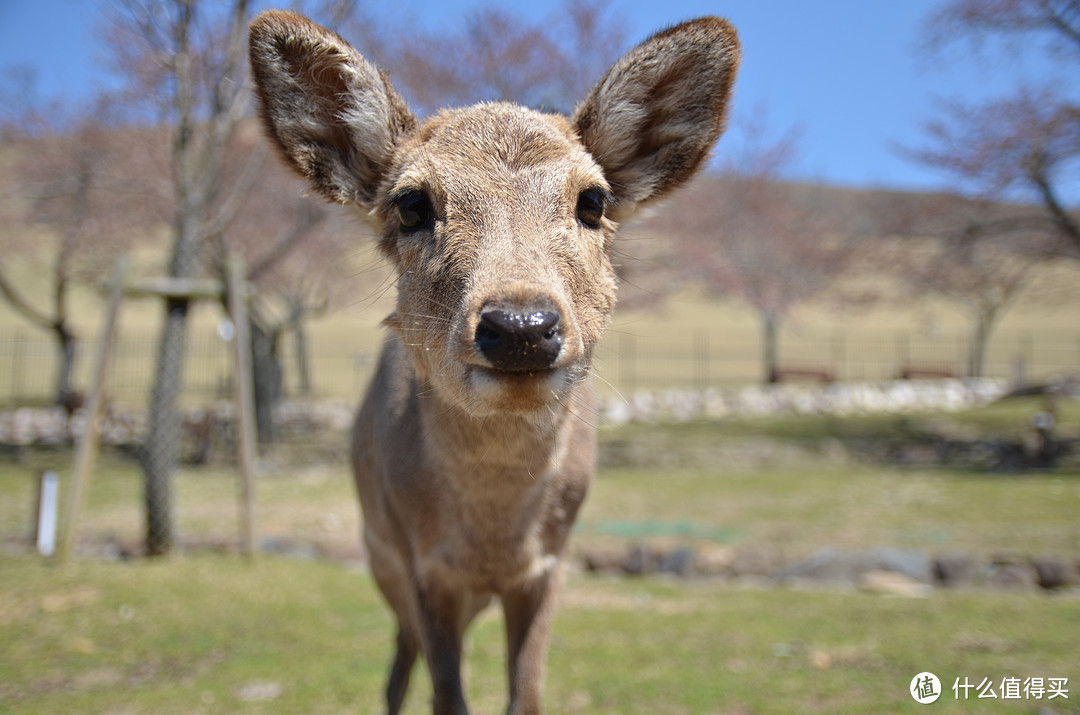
{"points": [[517, 340]]}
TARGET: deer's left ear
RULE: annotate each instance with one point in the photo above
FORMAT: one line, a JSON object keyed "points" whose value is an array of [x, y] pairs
{"points": [[652, 120]]}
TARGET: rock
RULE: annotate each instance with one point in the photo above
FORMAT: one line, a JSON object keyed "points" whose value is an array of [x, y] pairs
{"points": [[830, 566], [892, 583], [1012, 576], [604, 558], [679, 562], [1054, 573], [714, 559], [916, 565], [955, 570], [753, 561], [639, 561], [842, 567]]}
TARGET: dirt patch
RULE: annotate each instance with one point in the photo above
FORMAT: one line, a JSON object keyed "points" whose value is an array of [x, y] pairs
{"points": [[60, 601]]}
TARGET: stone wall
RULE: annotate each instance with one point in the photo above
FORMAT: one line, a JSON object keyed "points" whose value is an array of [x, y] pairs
{"points": [[25, 426], [838, 398]]}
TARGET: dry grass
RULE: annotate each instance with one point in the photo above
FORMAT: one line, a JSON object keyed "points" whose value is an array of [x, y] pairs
{"points": [[657, 348], [207, 633]]}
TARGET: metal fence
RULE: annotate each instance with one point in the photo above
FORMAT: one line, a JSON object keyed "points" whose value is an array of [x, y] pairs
{"points": [[625, 363], [29, 362], [703, 359]]}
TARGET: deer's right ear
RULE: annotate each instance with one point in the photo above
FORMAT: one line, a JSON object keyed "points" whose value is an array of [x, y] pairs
{"points": [[335, 117]]}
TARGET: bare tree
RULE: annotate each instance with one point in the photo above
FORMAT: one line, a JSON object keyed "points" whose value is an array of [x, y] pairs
{"points": [[987, 279], [297, 254], [185, 60], [1021, 147], [982, 272], [983, 276], [749, 234], [498, 55], [71, 202]]}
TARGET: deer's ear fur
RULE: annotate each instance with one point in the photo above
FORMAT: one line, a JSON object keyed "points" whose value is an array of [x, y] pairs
{"points": [[334, 116], [652, 120]]}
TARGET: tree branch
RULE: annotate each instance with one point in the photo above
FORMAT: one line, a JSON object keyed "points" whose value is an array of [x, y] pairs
{"points": [[240, 189], [1065, 223], [22, 305], [307, 217], [230, 96], [1060, 23]]}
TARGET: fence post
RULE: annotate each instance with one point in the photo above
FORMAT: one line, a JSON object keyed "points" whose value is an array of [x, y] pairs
{"points": [[17, 366], [903, 353], [245, 402], [86, 449], [1029, 344], [838, 355]]}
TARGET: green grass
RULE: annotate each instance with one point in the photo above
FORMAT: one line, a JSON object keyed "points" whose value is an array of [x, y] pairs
{"points": [[207, 633], [1009, 418], [796, 511], [214, 635], [784, 483], [312, 504], [790, 484]]}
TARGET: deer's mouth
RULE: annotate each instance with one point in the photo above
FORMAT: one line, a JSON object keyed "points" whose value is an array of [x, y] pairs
{"points": [[518, 391], [479, 374], [511, 375]]}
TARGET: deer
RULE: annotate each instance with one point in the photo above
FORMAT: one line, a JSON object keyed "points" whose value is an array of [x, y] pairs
{"points": [[475, 444]]}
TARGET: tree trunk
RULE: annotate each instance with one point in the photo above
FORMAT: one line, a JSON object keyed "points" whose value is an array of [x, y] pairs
{"points": [[203, 113], [980, 337], [303, 365], [769, 354], [160, 453], [65, 393], [266, 366]]}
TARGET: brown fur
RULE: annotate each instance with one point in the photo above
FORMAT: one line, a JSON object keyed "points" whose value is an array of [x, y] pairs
{"points": [[472, 457]]}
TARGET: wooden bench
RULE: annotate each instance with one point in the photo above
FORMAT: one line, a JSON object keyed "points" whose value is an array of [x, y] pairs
{"points": [[792, 374], [926, 373]]}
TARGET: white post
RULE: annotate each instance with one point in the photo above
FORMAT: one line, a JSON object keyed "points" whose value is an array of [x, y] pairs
{"points": [[48, 506]]}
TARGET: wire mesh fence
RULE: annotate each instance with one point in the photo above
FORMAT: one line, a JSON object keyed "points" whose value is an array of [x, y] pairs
{"points": [[338, 368], [700, 360]]}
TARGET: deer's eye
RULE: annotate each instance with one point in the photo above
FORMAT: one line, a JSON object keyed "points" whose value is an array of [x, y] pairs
{"points": [[414, 211], [590, 207]]}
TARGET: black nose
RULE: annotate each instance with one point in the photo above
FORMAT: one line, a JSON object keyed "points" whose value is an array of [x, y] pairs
{"points": [[519, 340]]}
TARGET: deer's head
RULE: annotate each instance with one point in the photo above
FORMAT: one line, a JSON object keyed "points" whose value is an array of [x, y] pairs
{"points": [[499, 219]]}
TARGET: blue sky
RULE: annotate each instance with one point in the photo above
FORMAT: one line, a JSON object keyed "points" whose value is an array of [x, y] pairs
{"points": [[846, 73]]}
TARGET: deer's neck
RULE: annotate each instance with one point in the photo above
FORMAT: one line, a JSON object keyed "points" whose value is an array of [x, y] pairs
{"points": [[501, 446]]}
